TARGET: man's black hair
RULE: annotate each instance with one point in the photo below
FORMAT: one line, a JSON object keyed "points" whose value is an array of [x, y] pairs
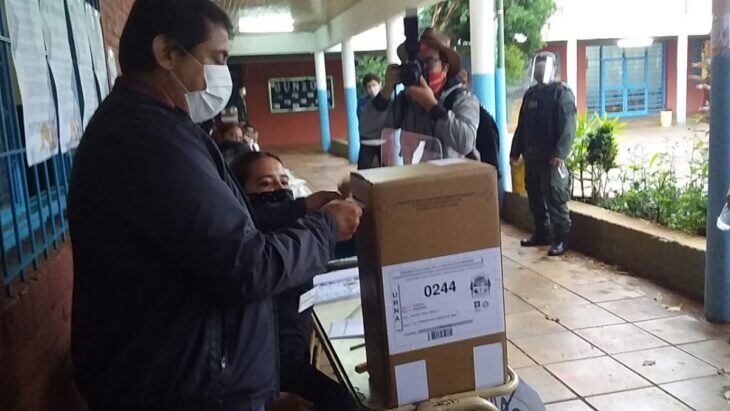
{"points": [[368, 78], [184, 21]]}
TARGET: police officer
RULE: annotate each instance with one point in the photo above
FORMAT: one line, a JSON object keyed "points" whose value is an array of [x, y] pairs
{"points": [[544, 136]]}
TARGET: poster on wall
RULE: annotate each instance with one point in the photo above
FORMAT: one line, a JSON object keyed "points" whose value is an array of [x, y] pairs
{"points": [[96, 43], [77, 12], [293, 94], [58, 50], [34, 81]]}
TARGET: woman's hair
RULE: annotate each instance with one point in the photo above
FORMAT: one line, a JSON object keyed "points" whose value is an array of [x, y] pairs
{"points": [[241, 165]]}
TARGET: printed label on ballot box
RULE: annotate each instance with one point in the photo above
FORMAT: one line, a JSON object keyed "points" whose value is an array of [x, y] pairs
{"points": [[443, 300]]}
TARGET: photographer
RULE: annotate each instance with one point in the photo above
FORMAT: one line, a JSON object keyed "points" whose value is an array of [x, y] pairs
{"points": [[437, 104]]}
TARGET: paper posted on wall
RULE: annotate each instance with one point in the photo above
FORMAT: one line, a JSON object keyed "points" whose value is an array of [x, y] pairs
{"points": [[77, 13], [58, 48], [34, 81], [96, 44]]}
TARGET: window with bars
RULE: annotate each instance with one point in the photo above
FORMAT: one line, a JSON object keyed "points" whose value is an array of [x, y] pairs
{"points": [[32, 199]]}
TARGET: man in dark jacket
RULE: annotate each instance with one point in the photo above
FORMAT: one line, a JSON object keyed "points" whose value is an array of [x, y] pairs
{"points": [[173, 282], [544, 137]]}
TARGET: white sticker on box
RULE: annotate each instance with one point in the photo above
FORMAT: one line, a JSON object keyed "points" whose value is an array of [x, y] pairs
{"points": [[443, 300], [488, 366], [411, 382]]}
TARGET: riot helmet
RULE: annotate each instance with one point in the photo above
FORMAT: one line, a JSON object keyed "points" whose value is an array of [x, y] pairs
{"points": [[544, 68]]}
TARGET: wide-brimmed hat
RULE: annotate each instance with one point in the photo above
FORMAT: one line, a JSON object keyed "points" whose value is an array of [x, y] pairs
{"points": [[438, 41]]}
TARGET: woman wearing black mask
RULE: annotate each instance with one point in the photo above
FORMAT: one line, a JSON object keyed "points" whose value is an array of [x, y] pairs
{"points": [[264, 179]]}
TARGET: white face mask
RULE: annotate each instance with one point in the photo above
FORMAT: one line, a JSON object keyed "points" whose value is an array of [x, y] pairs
{"points": [[373, 90], [205, 104]]}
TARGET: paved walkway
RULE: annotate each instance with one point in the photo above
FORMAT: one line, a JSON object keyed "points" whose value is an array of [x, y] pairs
{"points": [[587, 336]]}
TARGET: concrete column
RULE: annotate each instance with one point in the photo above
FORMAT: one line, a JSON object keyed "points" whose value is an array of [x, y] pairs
{"points": [[349, 78], [393, 37], [481, 13], [500, 89], [681, 115], [324, 115], [717, 264], [571, 65]]}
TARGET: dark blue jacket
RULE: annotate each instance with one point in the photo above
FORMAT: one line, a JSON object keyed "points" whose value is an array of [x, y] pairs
{"points": [[173, 282]]}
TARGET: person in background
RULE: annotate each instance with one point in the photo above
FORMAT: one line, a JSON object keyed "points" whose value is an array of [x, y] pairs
{"points": [[544, 137], [173, 282], [369, 156], [251, 135], [371, 85], [439, 106], [229, 137], [266, 183]]}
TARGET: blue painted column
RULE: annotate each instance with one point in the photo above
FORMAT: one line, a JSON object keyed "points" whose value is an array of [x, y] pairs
{"points": [[350, 80], [717, 263], [500, 90], [481, 18], [324, 115]]}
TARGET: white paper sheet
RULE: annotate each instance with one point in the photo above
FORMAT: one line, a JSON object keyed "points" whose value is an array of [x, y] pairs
{"points": [[96, 44], [34, 81], [349, 328], [77, 12], [337, 285], [55, 32], [307, 299], [488, 366], [411, 382]]}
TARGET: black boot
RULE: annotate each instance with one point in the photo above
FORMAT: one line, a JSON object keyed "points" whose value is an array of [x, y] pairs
{"points": [[534, 241], [559, 247]]}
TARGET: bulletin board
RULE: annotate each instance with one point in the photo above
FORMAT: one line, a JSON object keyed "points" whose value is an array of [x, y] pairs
{"points": [[294, 94]]}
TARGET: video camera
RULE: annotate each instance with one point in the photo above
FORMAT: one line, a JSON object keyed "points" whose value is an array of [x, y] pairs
{"points": [[411, 70]]}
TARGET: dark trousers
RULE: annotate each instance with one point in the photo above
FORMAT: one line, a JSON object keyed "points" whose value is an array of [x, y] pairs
{"points": [[369, 157], [314, 386], [548, 194]]}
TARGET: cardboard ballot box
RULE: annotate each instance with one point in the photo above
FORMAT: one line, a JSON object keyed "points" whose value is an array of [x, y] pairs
{"points": [[431, 279]]}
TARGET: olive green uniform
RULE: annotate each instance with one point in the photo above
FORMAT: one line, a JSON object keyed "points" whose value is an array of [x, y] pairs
{"points": [[546, 129]]}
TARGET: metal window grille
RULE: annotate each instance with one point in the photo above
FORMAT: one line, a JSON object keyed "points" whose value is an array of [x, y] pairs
{"points": [[32, 199]]}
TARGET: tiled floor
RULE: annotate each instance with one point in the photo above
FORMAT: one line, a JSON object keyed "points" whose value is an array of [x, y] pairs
{"points": [[589, 337]]}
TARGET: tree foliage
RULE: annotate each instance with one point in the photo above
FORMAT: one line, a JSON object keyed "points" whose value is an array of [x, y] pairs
{"points": [[525, 17]]}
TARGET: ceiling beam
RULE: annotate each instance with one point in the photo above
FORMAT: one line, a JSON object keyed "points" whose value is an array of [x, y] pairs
{"points": [[272, 44]]}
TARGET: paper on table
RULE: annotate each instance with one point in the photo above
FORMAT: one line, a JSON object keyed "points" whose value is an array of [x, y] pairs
{"points": [[349, 328], [337, 285], [34, 80], [59, 58]]}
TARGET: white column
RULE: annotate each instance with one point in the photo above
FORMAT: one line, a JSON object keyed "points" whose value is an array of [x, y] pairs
{"points": [[482, 29], [571, 65], [320, 73], [393, 37], [681, 114], [349, 80]]}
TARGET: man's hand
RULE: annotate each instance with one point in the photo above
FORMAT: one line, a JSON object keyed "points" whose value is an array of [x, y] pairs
{"points": [[422, 94], [345, 189], [347, 216], [392, 77], [317, 200], [557, 162], [289, 402]]}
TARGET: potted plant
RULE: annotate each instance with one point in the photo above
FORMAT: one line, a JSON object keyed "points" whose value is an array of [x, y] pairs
{"points": [[665, 117]]}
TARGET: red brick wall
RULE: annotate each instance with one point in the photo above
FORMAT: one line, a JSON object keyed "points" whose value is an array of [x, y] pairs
{"points": [[560, 49], [35, 364], [670, 59], [582, 67], [695, 96], [286, 129], [113, 16]]}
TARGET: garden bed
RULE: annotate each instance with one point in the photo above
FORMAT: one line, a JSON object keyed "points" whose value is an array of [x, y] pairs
{"points": [[669, 257]]}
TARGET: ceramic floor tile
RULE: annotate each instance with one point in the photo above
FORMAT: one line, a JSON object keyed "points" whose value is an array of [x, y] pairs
{"points": [[523, 280], [582, 316], [620, 338], [595, 376], [516, 358], [530, 323], [665, 364], [573, 405], [515, 305], [550, 348], [645, 399], [549, 388], [605, 291], [702, 394], [638, 309], [551, 297], [715, 352], [566, 273], [681, 329]]}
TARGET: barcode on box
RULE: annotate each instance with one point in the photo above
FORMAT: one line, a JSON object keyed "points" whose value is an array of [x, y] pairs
{"points": [[442, 333]]}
